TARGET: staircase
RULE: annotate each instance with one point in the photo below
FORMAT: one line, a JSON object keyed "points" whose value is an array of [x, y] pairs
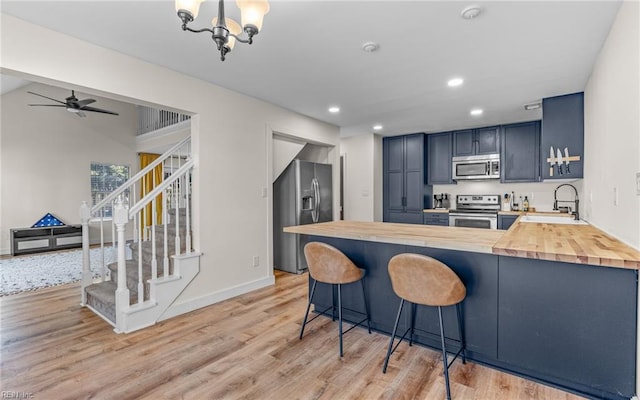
{"points": [[135, 291]]}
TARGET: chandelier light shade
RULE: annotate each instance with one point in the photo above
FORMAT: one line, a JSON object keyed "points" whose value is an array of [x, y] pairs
{"points": [[225, 31]]}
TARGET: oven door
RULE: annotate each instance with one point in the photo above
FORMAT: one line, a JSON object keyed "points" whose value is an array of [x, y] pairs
{"points": [[473, 221]]}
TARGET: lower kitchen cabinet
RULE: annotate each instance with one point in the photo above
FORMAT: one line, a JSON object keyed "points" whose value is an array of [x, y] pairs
{"points": [[505, 221], [521, 152], [567, 325], [565, 322], [436, 218], [405, 217]]}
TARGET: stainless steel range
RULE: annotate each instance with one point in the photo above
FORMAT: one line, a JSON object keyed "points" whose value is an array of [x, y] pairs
{"points": [[475, 211]]}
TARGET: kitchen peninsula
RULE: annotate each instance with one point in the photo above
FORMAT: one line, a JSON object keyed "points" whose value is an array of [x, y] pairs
{"points": [[555, 303]]}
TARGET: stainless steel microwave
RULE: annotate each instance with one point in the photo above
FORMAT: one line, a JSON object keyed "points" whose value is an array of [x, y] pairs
{"points": [[476, 167]]}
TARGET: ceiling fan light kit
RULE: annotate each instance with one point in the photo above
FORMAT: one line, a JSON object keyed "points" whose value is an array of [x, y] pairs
{"points": [[225, 31]]}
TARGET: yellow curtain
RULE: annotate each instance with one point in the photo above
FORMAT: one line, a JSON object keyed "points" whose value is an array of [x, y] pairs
{"points": [[152, 179]]}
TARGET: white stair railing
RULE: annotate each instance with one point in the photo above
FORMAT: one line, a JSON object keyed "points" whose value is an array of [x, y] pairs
{"points": [[128, 195], [178, 185]]}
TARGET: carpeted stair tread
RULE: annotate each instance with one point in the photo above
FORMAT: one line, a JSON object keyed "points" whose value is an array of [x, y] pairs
{"points": [[102, 297]]}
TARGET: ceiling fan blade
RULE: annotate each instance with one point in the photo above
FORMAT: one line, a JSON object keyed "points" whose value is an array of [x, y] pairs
{"points": [[49, 105], [85, 102], [58, 101], [94, 109]]}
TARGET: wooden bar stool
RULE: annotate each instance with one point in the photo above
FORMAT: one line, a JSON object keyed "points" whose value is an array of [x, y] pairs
{"points": [[329, 265], [423, 280]]}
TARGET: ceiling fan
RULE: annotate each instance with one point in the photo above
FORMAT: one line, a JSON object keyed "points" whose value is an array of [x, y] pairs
{"points": [[72, 104]]}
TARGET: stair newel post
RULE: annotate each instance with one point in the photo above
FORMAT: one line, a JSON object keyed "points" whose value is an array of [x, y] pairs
{"points": [[120, 218], [85, 216]]}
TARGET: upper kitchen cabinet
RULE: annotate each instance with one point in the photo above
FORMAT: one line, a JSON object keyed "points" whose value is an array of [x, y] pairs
{"points": [[520, 152], [471, 142], [439, 158], [405, 194], [563, 128]]}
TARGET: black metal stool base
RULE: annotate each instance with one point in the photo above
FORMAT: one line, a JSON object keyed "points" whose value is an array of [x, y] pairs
{"points": [[446, 364], [332, 307]]}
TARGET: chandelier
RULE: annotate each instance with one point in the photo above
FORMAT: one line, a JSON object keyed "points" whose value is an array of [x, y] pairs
{"points": [[226, 31]]}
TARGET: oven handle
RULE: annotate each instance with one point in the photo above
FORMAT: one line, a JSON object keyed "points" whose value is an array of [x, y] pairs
{"points": [[474, 216]]}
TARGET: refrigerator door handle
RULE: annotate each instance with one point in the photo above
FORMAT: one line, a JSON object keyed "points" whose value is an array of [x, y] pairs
{"points": [[316, 194]]}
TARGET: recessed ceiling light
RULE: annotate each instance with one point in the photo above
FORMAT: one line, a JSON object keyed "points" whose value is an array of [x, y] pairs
{"points": [[455, 82], [532, 106], [476, 112], [334, 109], [377, 127], [471, 12]]}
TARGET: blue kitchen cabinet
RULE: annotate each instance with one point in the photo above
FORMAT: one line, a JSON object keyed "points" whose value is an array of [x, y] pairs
{"points": [[520, 156], [439, 147], [505, 221], [563, 126], [405, 194], [567, 325], [472, 142], [436, 218]]}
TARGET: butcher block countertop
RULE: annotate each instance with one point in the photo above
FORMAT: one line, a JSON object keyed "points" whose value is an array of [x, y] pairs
{"points": [[440, 237], [579, 244]]}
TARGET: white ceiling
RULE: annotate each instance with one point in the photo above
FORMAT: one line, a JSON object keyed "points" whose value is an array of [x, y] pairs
{"points": [[308, 55]]}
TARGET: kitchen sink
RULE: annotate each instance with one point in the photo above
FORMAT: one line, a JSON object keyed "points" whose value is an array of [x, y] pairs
{"points": [[550, 219]]}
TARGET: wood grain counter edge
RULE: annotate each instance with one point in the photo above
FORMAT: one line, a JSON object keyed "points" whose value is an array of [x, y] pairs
{"points": [[550, 242]]}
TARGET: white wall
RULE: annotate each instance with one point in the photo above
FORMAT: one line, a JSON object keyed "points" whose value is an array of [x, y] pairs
{"points": [[612, 130], [231, 135], [47, 154], [362, 177]]}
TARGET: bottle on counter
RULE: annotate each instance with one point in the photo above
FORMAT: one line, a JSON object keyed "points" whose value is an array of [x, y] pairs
{"points": [[525, 204]]}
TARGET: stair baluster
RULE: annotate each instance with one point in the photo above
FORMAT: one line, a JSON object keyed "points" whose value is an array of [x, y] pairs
{"points": [[87, 277], [177, 194], [121, 217], [154, 261]]}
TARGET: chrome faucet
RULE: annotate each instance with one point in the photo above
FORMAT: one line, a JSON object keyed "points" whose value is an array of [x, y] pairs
{"points": [[576, 201]]}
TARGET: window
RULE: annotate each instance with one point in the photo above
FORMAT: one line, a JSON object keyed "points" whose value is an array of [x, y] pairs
{"points": [[105, 178]]}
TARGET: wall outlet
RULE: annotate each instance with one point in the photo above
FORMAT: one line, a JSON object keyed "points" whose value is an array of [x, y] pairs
{"points": [[263, 192], [256, 261], [638, 183], [615, 196]]}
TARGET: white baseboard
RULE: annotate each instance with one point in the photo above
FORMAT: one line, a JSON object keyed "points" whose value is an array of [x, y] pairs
{"points": [[213, 298]]}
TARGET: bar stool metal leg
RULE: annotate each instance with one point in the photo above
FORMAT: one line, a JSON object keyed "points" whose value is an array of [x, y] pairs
{"points": [[413, 322], [444, 354], [340, 316], [366, 307], [463, 342], [306, 314], [393, 336]]}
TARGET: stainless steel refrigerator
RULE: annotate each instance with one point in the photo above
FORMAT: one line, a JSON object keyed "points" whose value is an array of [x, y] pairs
{"points": [[302, 194]]}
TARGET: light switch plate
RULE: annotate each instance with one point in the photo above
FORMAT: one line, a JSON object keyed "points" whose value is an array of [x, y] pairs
{"points": [[638, 183]]}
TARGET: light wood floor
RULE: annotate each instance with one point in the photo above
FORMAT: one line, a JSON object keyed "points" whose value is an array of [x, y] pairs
{"points": [[243, 348]]}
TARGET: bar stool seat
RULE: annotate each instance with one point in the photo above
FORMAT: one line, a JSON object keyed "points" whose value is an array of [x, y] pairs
{"points": [[329, 265], [422, 280]]}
